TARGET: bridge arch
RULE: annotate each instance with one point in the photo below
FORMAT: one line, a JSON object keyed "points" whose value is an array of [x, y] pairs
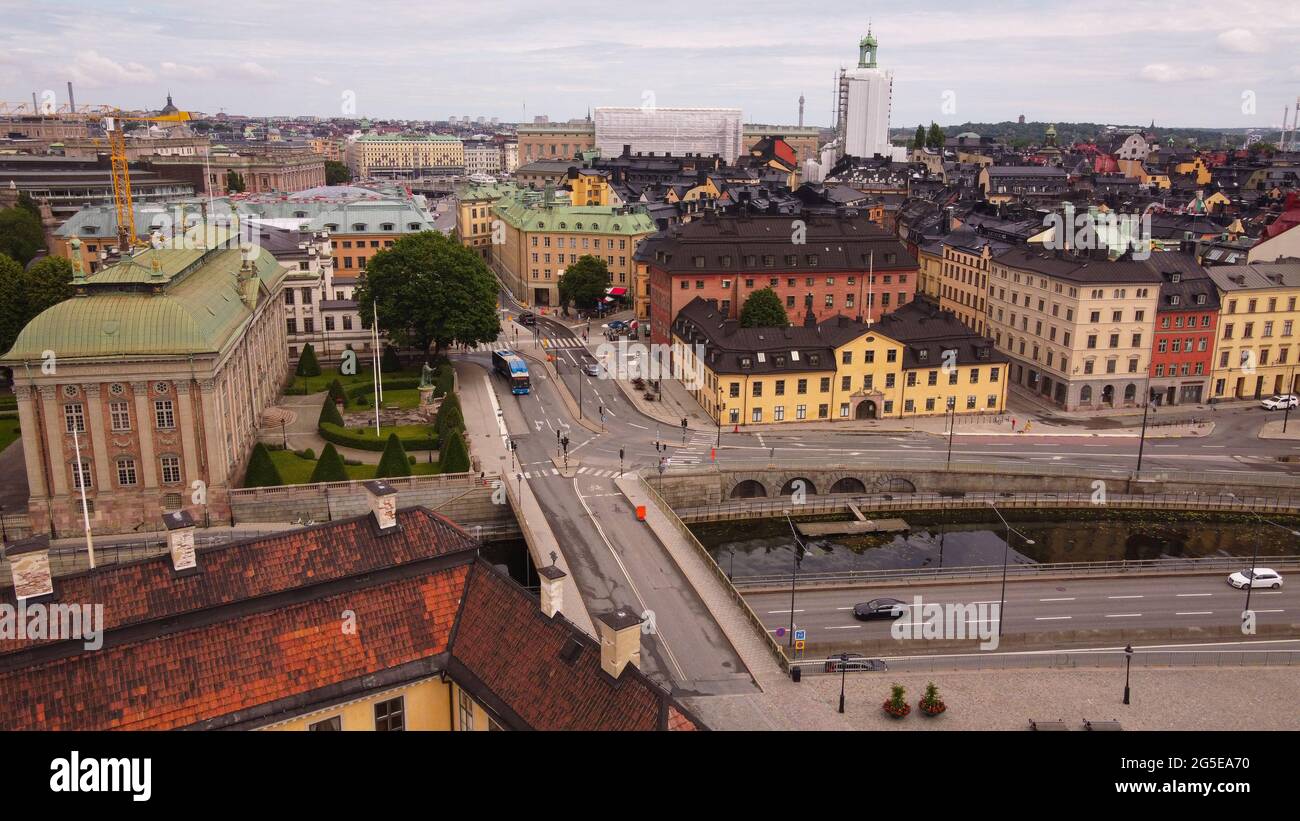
{"points": [[791, 485]]}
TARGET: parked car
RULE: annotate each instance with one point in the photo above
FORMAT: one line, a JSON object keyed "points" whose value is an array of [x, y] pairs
{"points": [[617, 324], [857, 661], [879, 609], [528, 318], [1256, 577], [1281, 402], [592, 369]]}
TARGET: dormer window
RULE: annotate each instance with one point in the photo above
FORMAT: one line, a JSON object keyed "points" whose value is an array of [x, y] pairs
{"points": [[699, 262], [300, 215], [331, 226], [1174, 299], [814, 359], [745, 362], [778, 361], [1200, 299], [413, 226], [922, 355], [358, 226], [387, 226], [1175, 277]]}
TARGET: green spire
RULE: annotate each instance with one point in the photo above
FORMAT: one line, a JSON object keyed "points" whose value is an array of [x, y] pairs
{"points": [[867, 50]]}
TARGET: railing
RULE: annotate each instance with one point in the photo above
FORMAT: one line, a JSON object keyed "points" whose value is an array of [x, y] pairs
{"points": [[1076, 659], [1209, 564], [765, 507], [74, 559], [755, 622]]}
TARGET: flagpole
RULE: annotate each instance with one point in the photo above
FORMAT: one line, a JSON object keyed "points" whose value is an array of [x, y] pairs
{"points": [[378, 352], [374, 332], [85, 509], [871, 280]]}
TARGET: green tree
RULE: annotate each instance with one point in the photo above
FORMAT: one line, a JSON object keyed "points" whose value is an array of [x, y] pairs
{"points": [[936, 136], [234, 182], [389, 361], [20, 234], [394, 462], [330, 467], [336, 173], [919, 140], [763, 309], [329, 412], [450, 417], [431, 291], [47, 282], [453, 456], [13, 302], [29, 205], [262, 471], [584, 282], [307, 364], [336, 392]]}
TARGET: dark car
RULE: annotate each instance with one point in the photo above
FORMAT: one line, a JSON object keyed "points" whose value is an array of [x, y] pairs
{"points": [[857, 661], [528, 318], [617, 325], [879, 609]]}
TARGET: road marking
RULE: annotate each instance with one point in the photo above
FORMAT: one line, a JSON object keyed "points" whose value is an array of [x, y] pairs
{"points": [[1192, 595], [1270, 611], [1196, 613], [1071, 598], [1052, 618], [779, 612], [845, 627], [1123, 615], [1125, 597], [635, 425]]}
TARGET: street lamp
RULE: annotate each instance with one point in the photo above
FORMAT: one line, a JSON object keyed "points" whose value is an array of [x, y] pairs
{"points": [[1142, 440], [844, 666], [1006, 555], [731, 574], [1128, 664], [794, 572], [1254, 555], [952, 415]]}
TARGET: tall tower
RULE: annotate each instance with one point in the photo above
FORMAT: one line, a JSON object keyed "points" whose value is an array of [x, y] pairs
{"points": [[865, 97], [801, 111]]}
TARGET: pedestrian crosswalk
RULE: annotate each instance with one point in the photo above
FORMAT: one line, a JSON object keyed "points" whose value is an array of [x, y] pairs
{"points": [[697, 450], [526, 345], [605, 473]]}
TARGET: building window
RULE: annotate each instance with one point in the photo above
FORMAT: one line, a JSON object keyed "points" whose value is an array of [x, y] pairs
{"points": [[465, 705], [390, 715], [171, 469], [333, 723], [778, 413], [74, 418], [164, 415], [800, 411], [120, 414], [81, 475], [126, 472], [757, 415]]}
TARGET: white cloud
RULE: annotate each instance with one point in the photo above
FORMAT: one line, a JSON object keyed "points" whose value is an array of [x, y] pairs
{"points": [[1242, 41], [254, 71], [1166, 73], [321, 81], [188, 72], [95, 71]]}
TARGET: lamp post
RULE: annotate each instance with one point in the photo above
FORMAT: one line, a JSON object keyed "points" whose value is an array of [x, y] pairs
{"points": [[1128, 664], [952, 415], [1006, 555], [1286, 412], [844, 667], [794, 572], [1142, 439], [1254, 554], [731, 574]]}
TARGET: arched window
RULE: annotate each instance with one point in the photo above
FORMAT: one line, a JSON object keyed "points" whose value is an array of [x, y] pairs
{"points": [[1085, 395], [1130, 393]]}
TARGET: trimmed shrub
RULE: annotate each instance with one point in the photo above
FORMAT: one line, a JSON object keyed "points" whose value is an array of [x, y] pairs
{"points": [[444, 381], [390, 362], [394, 461], [336, 392], [329, 468], [449, 417], [307, 364], [262, 471], [329, 414], [454, 457], [413, 437]]}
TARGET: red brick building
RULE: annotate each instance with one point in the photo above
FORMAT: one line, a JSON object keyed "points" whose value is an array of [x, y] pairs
{"points": [[1182, 348], [847, 265]]}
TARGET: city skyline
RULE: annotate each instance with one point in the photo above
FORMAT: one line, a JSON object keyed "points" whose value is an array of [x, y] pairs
{"points": [[1182, 65]]}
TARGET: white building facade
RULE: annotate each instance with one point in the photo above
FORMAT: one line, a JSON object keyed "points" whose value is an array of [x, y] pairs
{"points": [[678, 131], [865, 97]]}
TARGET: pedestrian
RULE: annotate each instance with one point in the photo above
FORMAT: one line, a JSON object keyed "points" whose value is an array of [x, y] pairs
{"points": [[1013, 424]]}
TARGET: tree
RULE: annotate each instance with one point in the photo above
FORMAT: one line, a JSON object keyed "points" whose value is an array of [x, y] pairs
{"points": [[330, 467], [936, 136], [584, 282], [29, 205], [449, 417], [307, 364], [46, 283], [389, 361], [13, 302], [336, 173], [234, 182], [329, 412], [394, 461], [454, 457], [336, 393], [262, 471], [763, 309], [21, 235], [431, 291], [919, 140]]}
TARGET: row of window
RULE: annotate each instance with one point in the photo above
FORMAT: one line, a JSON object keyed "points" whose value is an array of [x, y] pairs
{"points": [[1248, 329], [573, 242], [74, 416], [1252, 305], [170, 472], [868, 382], [887, 408]]}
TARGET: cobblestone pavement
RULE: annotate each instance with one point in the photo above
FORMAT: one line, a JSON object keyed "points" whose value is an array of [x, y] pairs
{"points": [[1229, 698]]}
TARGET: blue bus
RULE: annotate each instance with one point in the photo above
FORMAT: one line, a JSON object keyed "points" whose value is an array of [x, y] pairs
{"points": [[513, 368]]}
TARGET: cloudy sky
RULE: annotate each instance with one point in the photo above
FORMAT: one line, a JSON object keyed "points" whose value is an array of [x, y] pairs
{"points": [[1203, 63]]}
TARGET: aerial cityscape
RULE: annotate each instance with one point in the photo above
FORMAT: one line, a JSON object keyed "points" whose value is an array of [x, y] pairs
{"points": [[889, 376]]}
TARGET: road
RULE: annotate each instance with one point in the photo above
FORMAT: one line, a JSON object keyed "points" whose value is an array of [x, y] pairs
{"points": [[1042, 607]]}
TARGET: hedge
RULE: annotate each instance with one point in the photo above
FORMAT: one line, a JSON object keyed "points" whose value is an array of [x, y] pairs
{"points": [[307, 364], [454, 458], [394, 462], [262, 472], [365, 439], [356, 393], [329, 468]]}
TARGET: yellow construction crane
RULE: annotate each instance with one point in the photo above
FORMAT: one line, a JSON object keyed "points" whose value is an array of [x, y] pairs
{"points": [[114, 120]]}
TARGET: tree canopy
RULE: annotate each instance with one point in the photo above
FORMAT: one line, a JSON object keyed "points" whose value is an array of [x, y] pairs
{"points": [[25, 293], [584, 282], [262, 471], [919, 140], [20, 233], [452, 456], [336, 173], [936, 137], [330, 467], [394, 462], [431, 291], [763, 309]]}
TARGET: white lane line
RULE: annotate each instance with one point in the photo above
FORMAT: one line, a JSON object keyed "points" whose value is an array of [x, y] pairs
{"points": [[845, 627], [779, 612], [635, 425], [1193, 595], [1052, 618], [1123, 615], [1125, 597], [1270, 611], [1196, 613], [1070, 598]]}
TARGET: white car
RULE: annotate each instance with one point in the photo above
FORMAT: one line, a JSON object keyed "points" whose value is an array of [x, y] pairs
{"points": [[1280, 402], [1258, 577]]}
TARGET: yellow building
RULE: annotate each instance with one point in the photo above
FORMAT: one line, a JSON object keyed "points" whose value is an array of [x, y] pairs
{"points": [[588, 187], [964, 280], [929, 257], [396, 155], [1255, 351], [915, 361]]}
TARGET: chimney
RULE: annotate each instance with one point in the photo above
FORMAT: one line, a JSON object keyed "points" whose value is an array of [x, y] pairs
{"points": [[620, 640], [180, 539], [552, 588], [383, 504], [29, 560]]}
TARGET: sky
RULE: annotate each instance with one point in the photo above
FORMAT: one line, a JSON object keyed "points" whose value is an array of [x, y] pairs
{"points": [[1184, 63]]}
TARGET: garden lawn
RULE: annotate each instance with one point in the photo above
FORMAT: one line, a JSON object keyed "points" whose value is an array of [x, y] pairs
{"points": [[316, 384], [297, 471], [403, 398], [8, 432]]}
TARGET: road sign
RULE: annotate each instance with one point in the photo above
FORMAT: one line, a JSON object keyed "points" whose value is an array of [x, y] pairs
{"points": [[800, 635], [798, 644], [780, 632]]}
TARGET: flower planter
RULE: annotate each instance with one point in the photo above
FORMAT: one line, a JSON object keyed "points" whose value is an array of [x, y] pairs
{"points": [[896, 712], [933, 710]]}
